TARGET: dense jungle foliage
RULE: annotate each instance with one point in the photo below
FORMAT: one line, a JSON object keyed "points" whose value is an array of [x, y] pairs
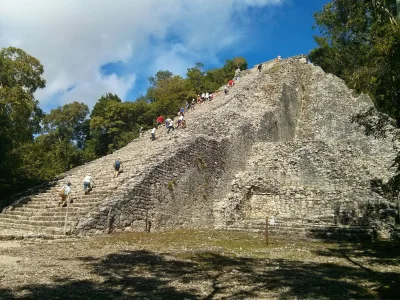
{"points": [[360, 43], [36, 146]]}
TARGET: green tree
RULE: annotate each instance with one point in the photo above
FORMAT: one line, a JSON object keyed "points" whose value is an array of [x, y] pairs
{"points": [[20, 77], [160, 75], [195, 79], [100, 107], [58, 148], [68, 123], [232, 64], [114, 124], [98, 140], [360, 43], [169, 95]]}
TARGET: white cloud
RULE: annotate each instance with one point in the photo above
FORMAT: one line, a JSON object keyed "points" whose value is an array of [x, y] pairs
{"points": [[74, 38], [98, 85]]}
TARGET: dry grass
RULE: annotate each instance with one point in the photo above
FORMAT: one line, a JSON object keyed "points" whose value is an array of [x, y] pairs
{"points": [[196, 265]]}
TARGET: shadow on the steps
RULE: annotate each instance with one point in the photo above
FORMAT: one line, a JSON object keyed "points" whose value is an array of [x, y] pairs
{"points": [[26, 196], [211, 275]]}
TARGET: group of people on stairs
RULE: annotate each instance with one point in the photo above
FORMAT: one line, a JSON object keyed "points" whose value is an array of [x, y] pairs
{"points": [[169, 123], [88, 184]]}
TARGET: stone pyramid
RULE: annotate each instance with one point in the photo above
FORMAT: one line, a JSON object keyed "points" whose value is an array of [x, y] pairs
{"points": [[280, 147]]}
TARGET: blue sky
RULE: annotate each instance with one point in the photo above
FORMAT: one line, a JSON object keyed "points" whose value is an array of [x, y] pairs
{"points": [[92, 47]]}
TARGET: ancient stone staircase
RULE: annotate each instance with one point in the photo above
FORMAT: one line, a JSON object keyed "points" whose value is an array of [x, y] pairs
{"points": [[41, 214]]}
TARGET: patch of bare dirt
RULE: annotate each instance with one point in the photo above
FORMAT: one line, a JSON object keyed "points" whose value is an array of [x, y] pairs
{"points": [[196, 265]]}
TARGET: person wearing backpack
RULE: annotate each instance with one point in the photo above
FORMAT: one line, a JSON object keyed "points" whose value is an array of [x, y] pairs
{"points": [[64, 194], [117, 167]]}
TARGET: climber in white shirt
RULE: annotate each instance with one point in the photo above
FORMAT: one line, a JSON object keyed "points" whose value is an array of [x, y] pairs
{"points": [[153, 133], [180, 121], [88, 183]]}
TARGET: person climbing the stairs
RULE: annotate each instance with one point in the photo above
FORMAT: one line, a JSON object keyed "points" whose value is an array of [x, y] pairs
{"points": [[117, 167], [170, 125], [153, 134], [88, 184], [237, 74], [64, 194], [259, 67], [180, 120]]}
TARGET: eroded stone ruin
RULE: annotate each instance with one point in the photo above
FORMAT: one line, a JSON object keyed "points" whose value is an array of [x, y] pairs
{"points": [[280, 146]]}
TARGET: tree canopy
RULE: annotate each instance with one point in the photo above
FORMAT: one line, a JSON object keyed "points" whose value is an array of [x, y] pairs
{"points": [[20, 115], [360, 43]]}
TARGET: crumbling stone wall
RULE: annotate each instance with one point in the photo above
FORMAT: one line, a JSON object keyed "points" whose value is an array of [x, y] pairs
{"points": [[321, 174]]}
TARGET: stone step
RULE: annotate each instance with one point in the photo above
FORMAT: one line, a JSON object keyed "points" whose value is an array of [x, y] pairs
{"points": [[13, 235], [48, 209], [38, 229], [55, 194], [55, 204], [23, 219], [40, 213], [94, 192], [50, 223], [56, 200], [40, 218], [80, 194]]}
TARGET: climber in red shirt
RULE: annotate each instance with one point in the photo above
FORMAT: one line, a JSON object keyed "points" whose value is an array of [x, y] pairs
{"points": [[231, 83]]}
